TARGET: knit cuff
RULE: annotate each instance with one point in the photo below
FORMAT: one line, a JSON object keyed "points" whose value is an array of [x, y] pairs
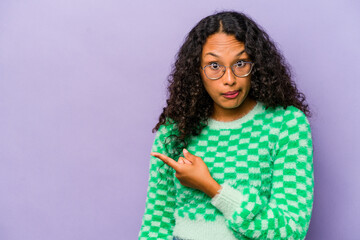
{"points": [[227, 200]]}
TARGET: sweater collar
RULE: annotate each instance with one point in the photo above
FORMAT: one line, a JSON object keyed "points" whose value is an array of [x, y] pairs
{"points": [[235, 124]]}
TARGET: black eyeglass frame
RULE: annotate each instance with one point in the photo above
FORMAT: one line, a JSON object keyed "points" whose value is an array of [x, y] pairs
{"points": [[232, 70]]}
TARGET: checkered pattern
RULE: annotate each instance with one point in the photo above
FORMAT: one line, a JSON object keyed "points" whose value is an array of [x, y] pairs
{"points": [[264, 166], [158, 219]]}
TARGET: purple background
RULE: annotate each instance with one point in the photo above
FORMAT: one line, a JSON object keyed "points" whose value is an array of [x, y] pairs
{"points": [[82, 84]]}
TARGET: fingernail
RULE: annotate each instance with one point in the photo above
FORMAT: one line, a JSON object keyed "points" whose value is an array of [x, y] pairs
{"points": [[185, 151]]}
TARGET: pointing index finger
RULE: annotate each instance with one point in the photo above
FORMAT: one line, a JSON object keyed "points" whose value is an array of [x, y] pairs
{"points": [[169, 161]]}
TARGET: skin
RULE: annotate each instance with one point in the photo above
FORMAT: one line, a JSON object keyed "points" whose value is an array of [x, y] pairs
{"points": [[194, 174], [225, 50]]}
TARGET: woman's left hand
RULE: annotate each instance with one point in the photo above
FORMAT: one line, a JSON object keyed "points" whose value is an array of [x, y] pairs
{"points": [[195, 174]]}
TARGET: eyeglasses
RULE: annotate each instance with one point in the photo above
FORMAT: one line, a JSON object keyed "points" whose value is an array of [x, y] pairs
{"points": [[215, 71]]}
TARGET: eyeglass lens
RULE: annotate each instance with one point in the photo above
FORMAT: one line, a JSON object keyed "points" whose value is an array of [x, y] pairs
{"points": [[216, 71]]}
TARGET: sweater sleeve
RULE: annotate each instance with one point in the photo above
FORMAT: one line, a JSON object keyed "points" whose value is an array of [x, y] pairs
{"points": [[286, 213], [158, 220]]}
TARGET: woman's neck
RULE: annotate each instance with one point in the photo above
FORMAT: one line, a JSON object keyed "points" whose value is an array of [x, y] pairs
{"points": [[227, 115]]}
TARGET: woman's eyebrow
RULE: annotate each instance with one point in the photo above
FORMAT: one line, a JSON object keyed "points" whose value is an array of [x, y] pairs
{"points": [[240, 53], [213, 54]]}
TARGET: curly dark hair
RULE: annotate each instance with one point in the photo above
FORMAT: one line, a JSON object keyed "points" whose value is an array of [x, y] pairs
{"points": [[189, 105]]}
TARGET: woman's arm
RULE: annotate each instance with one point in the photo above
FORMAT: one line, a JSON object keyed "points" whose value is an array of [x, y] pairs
{"points": [[286, 215], [158, 220]]}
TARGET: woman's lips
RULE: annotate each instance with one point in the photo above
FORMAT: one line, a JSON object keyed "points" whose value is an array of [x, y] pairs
{"points": [[231, 95]]}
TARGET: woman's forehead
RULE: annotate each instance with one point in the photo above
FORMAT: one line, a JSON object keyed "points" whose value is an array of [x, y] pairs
{"points": [[222, 38], [220, 44]]}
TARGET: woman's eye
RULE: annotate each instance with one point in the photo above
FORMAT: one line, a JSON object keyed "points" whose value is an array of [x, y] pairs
{"points": [[240, 64], [214, 66]]}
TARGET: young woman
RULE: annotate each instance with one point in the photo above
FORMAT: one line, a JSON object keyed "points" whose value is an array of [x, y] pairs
{"points": [[233, 154]]}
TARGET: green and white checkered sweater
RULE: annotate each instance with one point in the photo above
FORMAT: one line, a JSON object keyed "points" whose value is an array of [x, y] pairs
{"points": [[264, 164]]}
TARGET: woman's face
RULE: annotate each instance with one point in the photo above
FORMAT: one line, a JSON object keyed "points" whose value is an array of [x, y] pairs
{"points": [[226, 50]]}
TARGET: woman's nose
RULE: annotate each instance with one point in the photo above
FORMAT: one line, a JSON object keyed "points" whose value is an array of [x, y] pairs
{"points": [[229, 77]]}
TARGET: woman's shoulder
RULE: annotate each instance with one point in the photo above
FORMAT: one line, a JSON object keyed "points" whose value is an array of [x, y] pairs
{"points": [[286, 112], [167, 128], [292, 116], [289, 115]]}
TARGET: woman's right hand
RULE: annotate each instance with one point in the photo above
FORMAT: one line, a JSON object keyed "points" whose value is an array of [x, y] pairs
{"points": [[183, 161]]}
